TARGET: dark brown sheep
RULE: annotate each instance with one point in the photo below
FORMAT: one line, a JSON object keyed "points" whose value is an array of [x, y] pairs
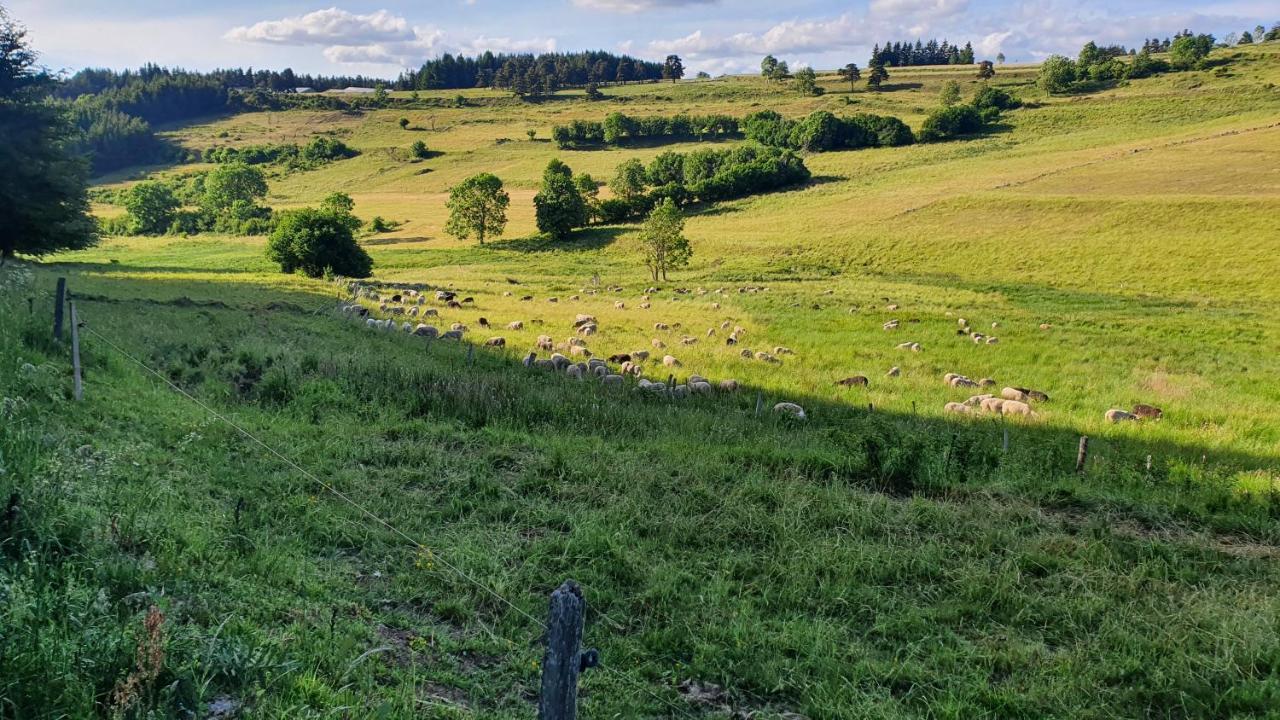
{"points": [[854, 381], [1148, 412]]}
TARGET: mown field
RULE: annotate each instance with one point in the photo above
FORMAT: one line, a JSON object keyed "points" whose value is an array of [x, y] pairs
{"points": [[894, 562]]}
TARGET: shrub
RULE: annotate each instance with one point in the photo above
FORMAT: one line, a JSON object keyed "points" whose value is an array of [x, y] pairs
{"points": [[1057, 74], [946, 123], [312, 241], [989, 97], [151, 206], [419, 150]]}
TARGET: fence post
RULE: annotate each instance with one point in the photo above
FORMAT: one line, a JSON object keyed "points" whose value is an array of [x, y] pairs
{"points": [[759, 401], [471, 354], [564, 660], [59, 300], [75, 352], [1004, 446], [1082, 454]]}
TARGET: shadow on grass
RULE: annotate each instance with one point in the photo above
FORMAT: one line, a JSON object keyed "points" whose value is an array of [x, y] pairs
{"points": [[590, 238], [107, 268]]}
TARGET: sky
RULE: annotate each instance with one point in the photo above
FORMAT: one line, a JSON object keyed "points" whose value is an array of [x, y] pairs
{"points": [[716, 36]]}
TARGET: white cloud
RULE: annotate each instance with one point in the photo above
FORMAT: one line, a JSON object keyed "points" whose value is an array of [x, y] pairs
{"points": [[785, 37], [378, 38], [919, 8], [325, 27], [631, 6]]}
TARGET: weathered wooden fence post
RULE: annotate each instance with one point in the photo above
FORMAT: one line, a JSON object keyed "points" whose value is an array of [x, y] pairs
{"points": [[564, 660], [59, 300], [75, 352], [759, 401], [1082, 454]]}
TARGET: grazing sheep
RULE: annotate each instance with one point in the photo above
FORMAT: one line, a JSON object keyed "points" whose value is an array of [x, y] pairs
{"points": [[1045, 326], [1015, 407], [670, 361], [680, 392], [529, 359], [731, 340], [544, 364], [661, 326], [426, 331], [573, 298], [894, 371], [611, 380], [995, 325], [581, 320], [891, 307], [976, 400], [855, 380], [1116, 415], [1147, 412], [949, 377], [711, 332], [598, 371], [993, 340], [1034, 394], [483, 322], [406, 327], [780, 350], [688, 340], [553, 299], [574, 372], [645, 306], [619, 357], [579, 350], [746, 353], [791, 409], [559, 361], [1013, 394], [961, 381], [640, 355], [545, 343], [728, 385], [715, 306], [526, 298], [496, 342], [517, 325], [725, 325], [630, 368], [468, 300], [413, 311], [576, 342], [619, 305], [370, 322], [978, 338], [596, 362], [700, 388], [992, 404], [766, 357], [506, 293], [986, 382], [459, 327], [587, 329], [452, 335], [892, 325], [445, 295], [955, 407], [454, 304], [962, 322], [430, 312], [658, 344]]}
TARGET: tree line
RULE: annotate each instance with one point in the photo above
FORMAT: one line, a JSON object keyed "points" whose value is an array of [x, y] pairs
{"points": [[905, 54], [620, 129], [1097, 66], [530, 74]]}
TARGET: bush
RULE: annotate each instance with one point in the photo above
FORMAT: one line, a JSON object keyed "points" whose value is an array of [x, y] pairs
{"points": [[1057, 74], [946, 123], [419, 150], [989, 97], [314, 241], [151, 206]]}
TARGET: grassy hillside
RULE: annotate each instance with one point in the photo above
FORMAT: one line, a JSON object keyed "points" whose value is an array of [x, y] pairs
{"points": [[894, 562]]}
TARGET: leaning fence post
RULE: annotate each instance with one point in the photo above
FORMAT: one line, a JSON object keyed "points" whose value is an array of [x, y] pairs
{"points": [[59, 299], [1082, 454], [75, 352], [564, 660], [759, 401]]}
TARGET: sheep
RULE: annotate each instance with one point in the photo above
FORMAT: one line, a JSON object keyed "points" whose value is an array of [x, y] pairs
{"points": [[766, 357], [728, 385], [596, 362], [1034, 394], [976, 400], [526, 298], [560, 361], [680, 391], [370, 323], [580, 320], [611, 380], [700, 388], [483, 322], [1013, 394], [515, 325], [544, 364], [1015, 407], [507, 293], [630, 368], [780, 350], [576, 342], [658, 344], [598, 371], [406, 327], [688, 340], [961, 381], [573, 298], [894, 371], [986, 382], [995, 325], [454, 305], [715, 306], [955, 407], [854, 380], [1115, 415], [891, 307], [725, 325], [1147, 412], [978, 338], [619, 358], [711, 332], [645, 306], [458, 327], [892, 325], [731, 340], [661, 326], [496, 342], [413, 311], [426, 331], [579, 350], [452, 335], [587, 329], [529, 359], [553, 299], [1045, 326], [696, 379], [619, 305], [791, 409], [430, 312], [993, 340], [670, 361], [574, 372], [545, 343], [992, 404], [949, 377], [470, 300], [640, 355], [445, 295]]}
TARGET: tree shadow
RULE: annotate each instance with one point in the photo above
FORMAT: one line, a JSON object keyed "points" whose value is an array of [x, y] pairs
{"points": [[895, 87], [582, 240]]}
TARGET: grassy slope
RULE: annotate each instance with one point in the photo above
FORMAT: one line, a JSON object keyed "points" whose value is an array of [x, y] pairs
{"points": [[884, 565]]}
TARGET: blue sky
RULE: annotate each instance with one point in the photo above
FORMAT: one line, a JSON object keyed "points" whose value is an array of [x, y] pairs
{"points": [[380, 38]]}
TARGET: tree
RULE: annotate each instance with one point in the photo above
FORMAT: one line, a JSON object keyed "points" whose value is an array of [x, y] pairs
{"points": [[876, 75], [629, 180], [1273, 33], [379, 95], [1188, 51], [477, 206], [1000, 58], [340, 205], [850, 74], [228, 184], [768, 66], [950, 94], [315, 242], [672, 68], [1057, 74], [1089, 55], [419, 150], [559, 206], [1246, 38], [780, 71], [1259, 33], [44, 202], [662, 238], [807, 82], [404, 123], [151, 206], [986, 70]]}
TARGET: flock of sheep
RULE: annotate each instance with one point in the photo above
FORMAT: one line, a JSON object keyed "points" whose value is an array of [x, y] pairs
{"points": [[573, 358]]}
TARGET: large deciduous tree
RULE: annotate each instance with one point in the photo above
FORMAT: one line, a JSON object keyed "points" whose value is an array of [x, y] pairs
{"points": [[663, 241], [44, 203], [477, 207], [151, 206], [672, 68], [315, 242], [559, 206]]}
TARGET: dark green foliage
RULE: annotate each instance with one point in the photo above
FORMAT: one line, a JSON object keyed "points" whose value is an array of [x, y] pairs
{"points": [[949, 123], [559, 207], [1057, 74], [1188, 51], [998, 98], [321, 150], [807, 82], [905, 54], [315, 242], [620, 129], [821, 131], [419, 150], [44, 202], [151, 207]]}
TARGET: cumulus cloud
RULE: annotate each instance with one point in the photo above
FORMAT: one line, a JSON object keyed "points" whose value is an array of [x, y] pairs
{"points": [[631, 6], [378, 38], [785, 37]]}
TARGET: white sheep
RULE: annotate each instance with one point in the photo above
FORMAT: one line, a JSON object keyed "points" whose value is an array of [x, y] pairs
{"points": [[670, 361], [496, 342], [728, 385], [894, 371], [1116, 415], [1013, 394], [611, 380], [791, 409], [955, 407], [515, 325]]}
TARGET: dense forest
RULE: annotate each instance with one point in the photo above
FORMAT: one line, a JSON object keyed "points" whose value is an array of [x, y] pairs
{"points": [[528, 70], [903, 54]]}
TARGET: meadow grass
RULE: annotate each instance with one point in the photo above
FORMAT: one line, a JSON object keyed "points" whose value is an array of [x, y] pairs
{"points": [[891, 563]]}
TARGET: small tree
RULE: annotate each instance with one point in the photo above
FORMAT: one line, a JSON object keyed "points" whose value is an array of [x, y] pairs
{"points": [[531, 133], [151, 206], [559, 206], [663, 241], [419, 150], [780, 71], [228, 184], [1188, 51], [850, 74], [1057, 74], [986, 70], [379, 95], [477, 206], [767, 66], [315, 241], [950, 94], [672, 68], [404, 123], [1000, 58], [1246, 38], [876, 74], [628, 180], [807, 82]]}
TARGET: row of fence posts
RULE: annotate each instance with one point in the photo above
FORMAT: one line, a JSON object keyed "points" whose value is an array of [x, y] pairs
{"points": [[563, 660]]}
